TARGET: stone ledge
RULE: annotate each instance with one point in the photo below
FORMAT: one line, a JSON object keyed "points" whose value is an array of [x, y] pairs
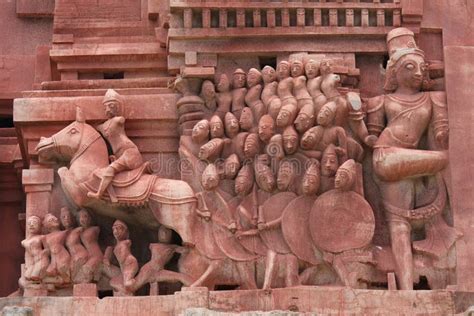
{"points": [[309, 299]]}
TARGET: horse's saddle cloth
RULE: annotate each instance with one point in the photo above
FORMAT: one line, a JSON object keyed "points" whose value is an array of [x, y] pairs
{"points": [[131, 187]]}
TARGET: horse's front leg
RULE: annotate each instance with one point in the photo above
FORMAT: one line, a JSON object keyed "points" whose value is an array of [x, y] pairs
{"points": [[208, 273]]}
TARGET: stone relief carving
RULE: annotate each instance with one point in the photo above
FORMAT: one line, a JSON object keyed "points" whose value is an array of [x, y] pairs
{"points": [[272, 192]]}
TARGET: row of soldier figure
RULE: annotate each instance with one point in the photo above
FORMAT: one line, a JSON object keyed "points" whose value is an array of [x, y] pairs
{"points": [[72, 255], [297, 117], [273, 127]]}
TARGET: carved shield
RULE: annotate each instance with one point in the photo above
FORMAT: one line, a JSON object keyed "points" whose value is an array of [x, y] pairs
{"points": [[272, 210], [295, 227], [224, 238], [341, 221]]}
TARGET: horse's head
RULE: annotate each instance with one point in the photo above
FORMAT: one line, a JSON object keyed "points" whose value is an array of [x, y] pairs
{"points": [[64, 144]]}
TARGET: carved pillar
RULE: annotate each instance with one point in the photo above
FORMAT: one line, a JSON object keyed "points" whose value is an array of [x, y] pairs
{"points": [[332, 17], [285, 17], [300, 17], [223, 18], [38, 184], [206, 18], [365, 17], [397, 18], [257, 18], [240, 18], [380, 17], [188, 18], [317, 17], [271, 19], [350, 17]]}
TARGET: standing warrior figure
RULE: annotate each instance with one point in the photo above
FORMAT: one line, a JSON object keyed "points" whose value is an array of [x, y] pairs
{"points": [[239, 79], [223, 97], [397, 159], [126, 154], [252, 98], [299, 89], [289, 108], [269, 93], [314, 84]]}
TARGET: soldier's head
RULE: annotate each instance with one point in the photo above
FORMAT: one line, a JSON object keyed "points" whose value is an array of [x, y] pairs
{"points": [[290, 140], [216, 127], [120, 230], [311, 179], [329, 161], [239, 79], [244, 181], [266, 128], [345, 176], [112, 102], [200, 131]]}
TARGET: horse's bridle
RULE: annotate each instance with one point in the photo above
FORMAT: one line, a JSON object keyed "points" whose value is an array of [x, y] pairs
{"points": [[84, 145]]}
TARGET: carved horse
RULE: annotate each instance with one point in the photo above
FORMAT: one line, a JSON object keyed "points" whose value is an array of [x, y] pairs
{"points": [[167, 202]]}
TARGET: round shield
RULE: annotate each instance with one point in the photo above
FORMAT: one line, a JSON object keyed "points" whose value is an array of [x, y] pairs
{"points": [[273, 210], [296, 231], [225, 239], [341, 221]]}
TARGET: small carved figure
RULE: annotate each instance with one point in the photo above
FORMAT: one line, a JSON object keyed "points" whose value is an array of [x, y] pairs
{"points": [[201, 131], [231, 166], [290, 140], [238, 92], [247, 122], [299, 81], [208, 95], [126, 153], [266, 128], [223, 97], [329, 165], [264, 177], [89, 238], [286, 176], [287, 115], [244, 181], [77, 251], [289, 108], [53, 243], [319, 137], [311, 179], [314, 84], [231, 125], [251, 146], [212, 149], [216, 127], [345, 176], [127, 262], [305, 118], [36, 257], [252, 98], [269, 94]]}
